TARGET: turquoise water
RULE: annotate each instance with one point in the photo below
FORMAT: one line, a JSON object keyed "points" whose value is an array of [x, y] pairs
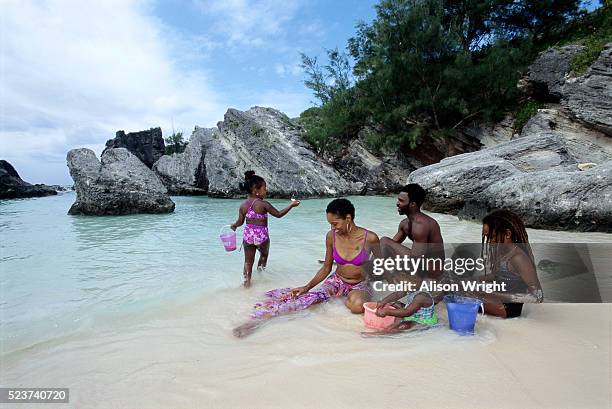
{"points": [[64, 274]]}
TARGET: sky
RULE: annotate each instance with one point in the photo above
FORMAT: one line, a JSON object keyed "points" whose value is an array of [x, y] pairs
{"points": [[72, 73]]}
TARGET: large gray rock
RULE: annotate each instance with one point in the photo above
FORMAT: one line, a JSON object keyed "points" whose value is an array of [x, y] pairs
{"points": [[589, 98], [118, 184], [583, 143], [148, 146], [377, 175], [549, 71], [537, 176], [491, 134], [185, 173], [261, 139], [13, 187]]}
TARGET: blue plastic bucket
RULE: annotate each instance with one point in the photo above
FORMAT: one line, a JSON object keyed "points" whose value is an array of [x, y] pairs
{"points": [[462, 313]]}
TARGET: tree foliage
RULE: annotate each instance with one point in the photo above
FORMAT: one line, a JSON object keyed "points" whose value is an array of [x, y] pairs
{"points": [[175, 143], [425, 67]]}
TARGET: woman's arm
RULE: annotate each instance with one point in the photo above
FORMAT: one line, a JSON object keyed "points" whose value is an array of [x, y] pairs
{"points": [[521, 263], [274, 212], [240, 220], [323, 271]]}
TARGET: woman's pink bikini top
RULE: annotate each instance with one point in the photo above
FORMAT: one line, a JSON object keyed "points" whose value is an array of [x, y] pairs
{"points": [[358, 260], [252, 214]]}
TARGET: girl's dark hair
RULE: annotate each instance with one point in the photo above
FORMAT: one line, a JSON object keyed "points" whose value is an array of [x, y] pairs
{"points": [[341, 207], [499, 221], [251, 181]]}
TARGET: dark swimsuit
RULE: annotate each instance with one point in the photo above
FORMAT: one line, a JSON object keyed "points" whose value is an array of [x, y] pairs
{"points": [[514, 285]]}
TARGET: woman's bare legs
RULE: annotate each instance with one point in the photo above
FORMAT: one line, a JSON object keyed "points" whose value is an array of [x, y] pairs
{"points": [[355, 299], [497, 310]]}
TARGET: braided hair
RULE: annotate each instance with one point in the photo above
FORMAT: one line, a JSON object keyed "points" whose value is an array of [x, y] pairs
{"points": [[251, 181], [499, 221]]}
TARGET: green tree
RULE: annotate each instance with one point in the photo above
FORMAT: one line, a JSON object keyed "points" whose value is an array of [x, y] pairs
{"points": [[426, 67], [175, 143]]}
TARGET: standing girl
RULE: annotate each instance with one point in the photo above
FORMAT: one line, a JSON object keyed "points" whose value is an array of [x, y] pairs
{"points": [[255, 211]]}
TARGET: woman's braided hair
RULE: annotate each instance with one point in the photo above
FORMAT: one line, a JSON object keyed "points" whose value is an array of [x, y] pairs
{"points": [[499, 221]]}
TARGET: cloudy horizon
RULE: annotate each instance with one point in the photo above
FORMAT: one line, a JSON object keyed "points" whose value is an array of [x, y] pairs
{"points": [[73, 73]]}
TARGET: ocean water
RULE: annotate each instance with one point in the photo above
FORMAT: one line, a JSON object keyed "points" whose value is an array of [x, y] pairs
{"points": [[75, 289]]}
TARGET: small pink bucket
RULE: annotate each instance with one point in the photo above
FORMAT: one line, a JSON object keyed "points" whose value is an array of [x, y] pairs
{"points": [[371, 320], [228, 239]]}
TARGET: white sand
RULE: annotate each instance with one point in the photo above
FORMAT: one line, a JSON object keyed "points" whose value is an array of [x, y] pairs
{"points": [[556, 356]]}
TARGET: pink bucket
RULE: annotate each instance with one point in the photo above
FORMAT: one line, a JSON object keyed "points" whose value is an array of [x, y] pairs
{"points": [[372, 320], [228, 239]]}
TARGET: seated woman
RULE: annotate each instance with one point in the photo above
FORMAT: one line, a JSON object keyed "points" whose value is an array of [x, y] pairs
{"points": [[510, 261], [350, 247]]}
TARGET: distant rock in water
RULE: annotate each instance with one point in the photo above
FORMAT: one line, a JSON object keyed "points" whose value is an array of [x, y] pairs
{"points": [[118, 184], [261, 139], [148, 146], [13, 187]]}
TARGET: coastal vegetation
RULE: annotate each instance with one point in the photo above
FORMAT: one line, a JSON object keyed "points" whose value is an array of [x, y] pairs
{"points": [[425, 68]]}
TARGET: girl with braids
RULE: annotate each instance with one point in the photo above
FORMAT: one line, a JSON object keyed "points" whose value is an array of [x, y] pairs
{"points": [[510, 260], [255, 211]]}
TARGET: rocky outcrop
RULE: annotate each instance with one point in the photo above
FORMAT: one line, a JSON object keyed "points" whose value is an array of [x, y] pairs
{"points": [[185, 173], [377, 175], [261, 139], [538, 176], [548, 73], [491, 134], [118, 184], [13, 187], [589, 98], [148, 146]]}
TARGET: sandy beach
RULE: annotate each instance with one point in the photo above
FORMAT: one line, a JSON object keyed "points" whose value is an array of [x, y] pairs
{"points": [[556, 356]]}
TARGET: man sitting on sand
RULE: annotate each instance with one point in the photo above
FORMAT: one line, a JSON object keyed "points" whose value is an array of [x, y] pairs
{"points": [[422, 230]]}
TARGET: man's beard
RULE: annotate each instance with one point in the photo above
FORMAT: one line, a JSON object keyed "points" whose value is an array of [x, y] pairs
{"points": [[401, 211]]}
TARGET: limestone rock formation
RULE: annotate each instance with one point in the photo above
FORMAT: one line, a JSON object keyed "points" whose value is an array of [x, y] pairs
{"points": [[118, 184], [148, 146]]}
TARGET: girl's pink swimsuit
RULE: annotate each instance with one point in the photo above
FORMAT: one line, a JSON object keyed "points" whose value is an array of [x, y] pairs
{"points": [[281, 301], [255, 234]]}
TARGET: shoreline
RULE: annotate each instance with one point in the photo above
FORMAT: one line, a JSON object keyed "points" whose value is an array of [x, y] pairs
{"points": [[167, 363]]}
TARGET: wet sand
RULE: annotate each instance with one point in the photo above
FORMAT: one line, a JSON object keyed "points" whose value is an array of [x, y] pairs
{"points": [[556, 356]]}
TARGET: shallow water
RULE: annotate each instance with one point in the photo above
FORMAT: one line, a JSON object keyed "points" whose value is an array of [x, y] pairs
{"points": [[150, 297]]}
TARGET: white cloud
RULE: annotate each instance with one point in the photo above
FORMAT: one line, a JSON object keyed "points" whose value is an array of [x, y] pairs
{"points": [[285, 69], [74, 72], [250, 23]]}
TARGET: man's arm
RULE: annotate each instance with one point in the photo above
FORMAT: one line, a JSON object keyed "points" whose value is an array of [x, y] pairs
{"points": [[400, 236]]}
